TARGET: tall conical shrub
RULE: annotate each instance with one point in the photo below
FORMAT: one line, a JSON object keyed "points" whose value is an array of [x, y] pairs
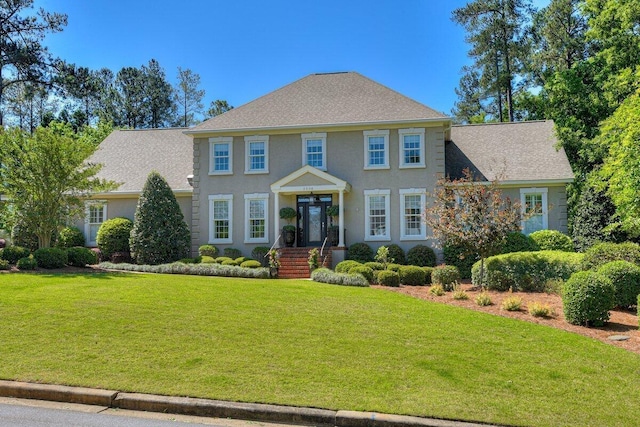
{"points": [[160, 234]]}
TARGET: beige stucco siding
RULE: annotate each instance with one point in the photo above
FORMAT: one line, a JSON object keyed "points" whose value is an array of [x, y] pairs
{"points": [[556, 200]]}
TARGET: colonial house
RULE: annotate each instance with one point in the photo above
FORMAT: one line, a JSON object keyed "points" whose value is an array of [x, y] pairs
{"points": [[335, 139]]}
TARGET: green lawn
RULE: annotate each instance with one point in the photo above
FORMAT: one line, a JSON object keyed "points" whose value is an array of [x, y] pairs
{"points": [[309, 344]]}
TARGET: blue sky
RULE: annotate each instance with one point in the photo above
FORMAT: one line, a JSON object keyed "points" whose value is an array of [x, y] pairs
{"points": [[245, 49]]}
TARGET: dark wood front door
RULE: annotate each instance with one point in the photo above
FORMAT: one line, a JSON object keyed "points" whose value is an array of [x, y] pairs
{"points": [[312, 219]]}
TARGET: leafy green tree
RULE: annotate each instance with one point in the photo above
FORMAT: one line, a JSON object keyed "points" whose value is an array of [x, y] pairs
{"points": [[160, 234], [218, 107], [45, 176], [188, 97], [129, 84]]}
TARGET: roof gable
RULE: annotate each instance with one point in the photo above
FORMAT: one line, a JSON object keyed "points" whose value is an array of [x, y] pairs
{"points": [[308, 176]]}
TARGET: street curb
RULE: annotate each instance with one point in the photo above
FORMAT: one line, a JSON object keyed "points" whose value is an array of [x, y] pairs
{"points": [[217, 408]]}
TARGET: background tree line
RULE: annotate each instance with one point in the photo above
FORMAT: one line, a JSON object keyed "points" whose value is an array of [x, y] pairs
{"points": [[576, 62]]}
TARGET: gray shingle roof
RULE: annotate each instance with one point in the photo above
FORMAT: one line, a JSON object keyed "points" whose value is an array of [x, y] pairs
{"points": [[323, 99], [521, 151], [128, 156]]}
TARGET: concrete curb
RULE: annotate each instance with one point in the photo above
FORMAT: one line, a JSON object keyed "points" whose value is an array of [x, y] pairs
{"points": [[217, 408]]}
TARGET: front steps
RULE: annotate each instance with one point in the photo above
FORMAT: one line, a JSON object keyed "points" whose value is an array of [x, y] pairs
{"points": [[294, 264]]}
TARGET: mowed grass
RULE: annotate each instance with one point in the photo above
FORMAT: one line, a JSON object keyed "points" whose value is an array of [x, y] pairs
{"points": [[308, 344]]}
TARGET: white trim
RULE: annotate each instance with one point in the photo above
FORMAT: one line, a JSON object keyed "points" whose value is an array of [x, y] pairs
{"points": [[367, 219], [87, 218], [407, 132], [422, 192], [247, 152], [217, 197], [219, 141], [322, 136], [376, 133], [247, 228], [545, 205], [281, 185]]}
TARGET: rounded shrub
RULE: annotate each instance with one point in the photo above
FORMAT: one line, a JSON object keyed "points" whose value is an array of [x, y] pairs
{"points": [[13, 253], [208, 250], [427, 275], [625, 277], [455, 255], [230, 262], [113, 236], [207, 260], [251, 263], [411, 275], [346, 265], [388, 278], [232, 253], [50, 258], [364, 270], [552, 240], [394, 267], [603, 253], [70, 237], [222, 259], [27, 263], [446, 276], [360, 252], [81, 256], [518, 242], [587, 298], [422, 256], [4, 264], [375, 266], [396, 253]]}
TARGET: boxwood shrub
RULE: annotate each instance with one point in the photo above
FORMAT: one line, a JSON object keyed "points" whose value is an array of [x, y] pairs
{"points": [[27, 263], [625, 277], [396, 253], [251, 263], [324, 275], [360, 252], [208, 250], [222, 259], [427, 275], [552, 240], [455, 255], [70, 237], [113, 236], [446, 276], [526, 271], [518, 242], [4, 264], [587, 298], [422, 256], [346, 265], [80, 257], [50, 258], [375, 266], [367, 272], [389, 278], [603, 253], [13, 253], [232, 253], [394, 267], [412, 275]]}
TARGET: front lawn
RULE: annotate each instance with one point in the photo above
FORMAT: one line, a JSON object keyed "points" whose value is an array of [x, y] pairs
{"points": [[309, 344]]}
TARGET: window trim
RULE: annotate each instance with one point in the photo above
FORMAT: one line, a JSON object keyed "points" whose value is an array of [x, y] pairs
{"points": [[212, 199], [247, 156], [87, 217], [376, 133], [367, 219], [315, 135], [219, 141], [406, 132], [422, 192], [545, 205], [247, 227]]}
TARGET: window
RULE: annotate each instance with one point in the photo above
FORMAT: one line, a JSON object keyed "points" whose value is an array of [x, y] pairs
{"points": [[314, 150], [221, 156], [534, 209], [221, 218], [257, 154], [95, 215], [412, 153], [377, 215], [412, 202], [376, 149], [256, 218]]}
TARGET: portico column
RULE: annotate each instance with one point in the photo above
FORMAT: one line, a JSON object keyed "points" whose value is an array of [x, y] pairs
{"points": [[341, 219], [276, 218]]}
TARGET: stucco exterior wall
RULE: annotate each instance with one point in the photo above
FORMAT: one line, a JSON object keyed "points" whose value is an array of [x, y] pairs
{"points": [[556, 203]]}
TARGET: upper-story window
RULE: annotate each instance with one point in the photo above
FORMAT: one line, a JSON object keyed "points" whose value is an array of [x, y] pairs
{"points": [[256, 154], [412, 151], [314, 150], [534, 209], [221, 155], [376, 149]]}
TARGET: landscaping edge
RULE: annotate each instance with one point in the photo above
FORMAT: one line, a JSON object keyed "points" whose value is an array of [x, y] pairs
{"points": [[217, 408]]}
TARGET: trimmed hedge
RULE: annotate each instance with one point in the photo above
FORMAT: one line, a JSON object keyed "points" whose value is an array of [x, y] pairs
{"points": [[208, 250], [375, 266], [324, 275], [13, 253], [113, 236], [360, 252], [232, 253], [602, 253], [192, 269], [427, 275], [411, 275], [454, 255], [70, 237], [396, 253], [421, 256], [27, 263], [251, 263], [519, 242], [51, 258], [81, 256], [625, 277], [446, 276], [367, 272], [587, 298], [389, 278], [345, 266], [552, 240]]}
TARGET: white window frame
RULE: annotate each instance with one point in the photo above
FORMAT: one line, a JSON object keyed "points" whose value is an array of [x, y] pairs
{"points": [[407, 132], [212, 161], [248, 140], [367, 158], [322, 136], [422, 192], [368, 194], [87, 220], [216, 198], [248, 198], [545, 205]]}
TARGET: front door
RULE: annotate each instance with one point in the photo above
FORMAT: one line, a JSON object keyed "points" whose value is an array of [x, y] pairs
{"points": [[312, 219]]}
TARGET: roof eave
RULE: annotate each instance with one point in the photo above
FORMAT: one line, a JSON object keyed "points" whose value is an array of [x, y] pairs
{"points": [[134, 193]]}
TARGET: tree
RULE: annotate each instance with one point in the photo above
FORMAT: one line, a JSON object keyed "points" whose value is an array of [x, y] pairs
{"points": [[158, 95], [23, 58], [188, 97], [218, 107], [160, 234], [80, 85], [473, 216], [45, 176], [129, 84]]}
